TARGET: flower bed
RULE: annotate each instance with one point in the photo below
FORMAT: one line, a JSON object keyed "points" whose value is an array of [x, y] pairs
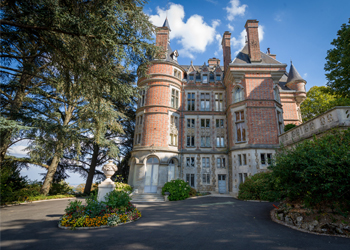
{"points": [[116, 210]]}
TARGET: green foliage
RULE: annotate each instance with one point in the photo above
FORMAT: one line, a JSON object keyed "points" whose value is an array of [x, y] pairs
{"points": [[178, 189], [260, 186], [316, 171], [319, 100], [60, 188], [119, 186], [117, 199], [338, 61], [289, 127], [192, 192]]}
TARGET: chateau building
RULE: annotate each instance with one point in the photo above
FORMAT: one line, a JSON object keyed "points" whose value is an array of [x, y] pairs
{"points": [[212, 125]]}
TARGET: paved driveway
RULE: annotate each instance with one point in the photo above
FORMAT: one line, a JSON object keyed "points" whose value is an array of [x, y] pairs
{"points": [[203, 223]]}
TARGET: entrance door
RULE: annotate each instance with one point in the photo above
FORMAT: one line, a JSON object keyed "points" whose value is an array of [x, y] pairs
{"points": [[151, 175], [222, 183]]}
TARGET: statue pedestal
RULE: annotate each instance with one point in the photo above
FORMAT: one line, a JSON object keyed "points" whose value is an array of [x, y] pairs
{"points": [[104, 188]]}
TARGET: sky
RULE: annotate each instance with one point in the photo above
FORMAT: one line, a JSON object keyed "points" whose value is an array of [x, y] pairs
{"points": [[297, 30]]}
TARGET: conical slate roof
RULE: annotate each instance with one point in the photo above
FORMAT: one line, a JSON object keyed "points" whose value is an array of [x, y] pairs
{"points": [[166, 24], [293, 75]]}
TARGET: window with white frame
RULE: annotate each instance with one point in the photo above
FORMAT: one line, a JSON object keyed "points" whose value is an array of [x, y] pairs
{"points": [[205, 162], [218, 102], [242, 159], [175, 98], [190, 162], [265, 159], [190, 179], [219, 123], [177, 73], [173, 139], [280, 122], [174, 120], [205, 102], [276, 94], [191, 101], [205, 123], [171, 170], [142, 98], [220, 142], [190, 123], [238, 95], [205, 141], [190, 141], [221, 162], [205, 179], [205, 78], [240, 127]]}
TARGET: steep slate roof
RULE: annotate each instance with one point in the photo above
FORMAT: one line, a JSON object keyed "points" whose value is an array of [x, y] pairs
{"points": [[198, 68], [283, 81], [243, 57], [293, 75], [166, 24]]}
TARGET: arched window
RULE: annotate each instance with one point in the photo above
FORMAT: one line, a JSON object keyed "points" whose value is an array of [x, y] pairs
{"points": [[238, 95], [151, 175], [172, 173]]}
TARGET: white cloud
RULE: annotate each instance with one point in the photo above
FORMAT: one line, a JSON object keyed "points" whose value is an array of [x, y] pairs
{"points": [[18, 151], [305, 75], [278, 18], [218, 39], [239, 42], [194, 35], [235, 9], [230, 27]]}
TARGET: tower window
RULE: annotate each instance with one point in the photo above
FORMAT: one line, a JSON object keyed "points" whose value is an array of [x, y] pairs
{"points": [[175, 98], [240, 127]]}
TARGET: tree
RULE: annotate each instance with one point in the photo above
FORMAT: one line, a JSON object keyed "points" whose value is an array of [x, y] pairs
{"points": [[39, 34], [319, 100], [338, 63]]}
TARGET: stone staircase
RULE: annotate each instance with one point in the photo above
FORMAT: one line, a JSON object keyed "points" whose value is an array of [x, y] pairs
{"points": [[147, 198]]}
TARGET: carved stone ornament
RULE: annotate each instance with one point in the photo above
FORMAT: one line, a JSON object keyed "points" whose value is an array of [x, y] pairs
{"points": [[306, 128], [323, 121], [312, 126], [109, 169], [329, 117], [173, 129]]}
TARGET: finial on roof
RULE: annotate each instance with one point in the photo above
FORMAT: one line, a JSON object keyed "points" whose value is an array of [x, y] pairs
{"points": [[166, 24], [191, 62]]}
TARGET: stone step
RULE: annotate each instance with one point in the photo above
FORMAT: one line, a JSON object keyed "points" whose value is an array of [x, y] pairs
{"points": [[147, 198]]}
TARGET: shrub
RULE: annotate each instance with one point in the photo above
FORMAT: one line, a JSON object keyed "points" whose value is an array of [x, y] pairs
{"points": [[118, 199], [178, 189], [60, 188], [119, 186], [192, 192], [289, 127], [316, 171], [260, 186]]}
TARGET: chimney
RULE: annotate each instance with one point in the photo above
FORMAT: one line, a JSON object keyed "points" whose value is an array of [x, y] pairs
{"points": [[271, 55], [226, 49], [251, 27], [213, 62], [162, 38]]}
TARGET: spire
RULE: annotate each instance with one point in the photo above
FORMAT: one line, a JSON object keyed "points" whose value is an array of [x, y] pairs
{"points": [[166, 24], [293, 75]]}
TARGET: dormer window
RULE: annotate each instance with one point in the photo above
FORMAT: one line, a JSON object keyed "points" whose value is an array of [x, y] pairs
{"points": [[198, 77], [191, 77], [205, 79], [211, 77], [218, 77]]}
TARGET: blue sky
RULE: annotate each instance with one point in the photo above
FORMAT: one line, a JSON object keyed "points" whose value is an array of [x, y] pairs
{"points": [[297, 30]]}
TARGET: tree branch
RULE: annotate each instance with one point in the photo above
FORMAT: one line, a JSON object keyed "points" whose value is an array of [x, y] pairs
{"points": [[26, 160]]}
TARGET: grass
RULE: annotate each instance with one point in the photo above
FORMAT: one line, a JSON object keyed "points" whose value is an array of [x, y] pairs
{"points": [[39, 198]]}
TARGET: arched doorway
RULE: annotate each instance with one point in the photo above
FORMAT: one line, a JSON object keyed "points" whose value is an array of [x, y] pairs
{"points": [[151, 175]]}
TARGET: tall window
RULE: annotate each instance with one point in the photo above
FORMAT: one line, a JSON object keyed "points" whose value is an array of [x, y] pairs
{"points": [[242, 159], [143, 97], [266, 159], [280, 122], [220, 162], [205, 141], [211, 77], [175, 98], [238, 95], [173, 139], [242, 177], [240, 127], [171, 170], [205, 101], [190, 141], [190, 162], [198, 77], [220, 123], [205, 78], [220, 142], [191, 101], [218, 77], [205, 123], [174, 120], [218, 102], [190, 179], [138, 139], [277, 94], [205, 162], [173, 136], [190, 123]]}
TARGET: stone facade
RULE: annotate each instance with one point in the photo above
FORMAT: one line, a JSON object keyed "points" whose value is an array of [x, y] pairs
{"points": [[210, 125]]}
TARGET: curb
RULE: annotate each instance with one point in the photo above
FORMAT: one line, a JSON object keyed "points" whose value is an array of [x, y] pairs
{"points": [[90, 228], [274, 219], [30, 202]]}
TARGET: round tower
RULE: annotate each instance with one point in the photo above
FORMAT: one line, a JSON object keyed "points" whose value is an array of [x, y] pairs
{"points": [[155, 158]]}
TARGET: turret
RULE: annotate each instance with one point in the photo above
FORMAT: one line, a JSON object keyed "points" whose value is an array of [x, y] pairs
{"points": [[297, 83]]}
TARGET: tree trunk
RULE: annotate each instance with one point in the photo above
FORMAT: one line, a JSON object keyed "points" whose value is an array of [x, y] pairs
{"points": [[51, 172], [91, 173]]}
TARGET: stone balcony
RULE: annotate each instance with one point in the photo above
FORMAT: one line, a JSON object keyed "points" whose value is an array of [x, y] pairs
{"points": [[337, 117]]}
